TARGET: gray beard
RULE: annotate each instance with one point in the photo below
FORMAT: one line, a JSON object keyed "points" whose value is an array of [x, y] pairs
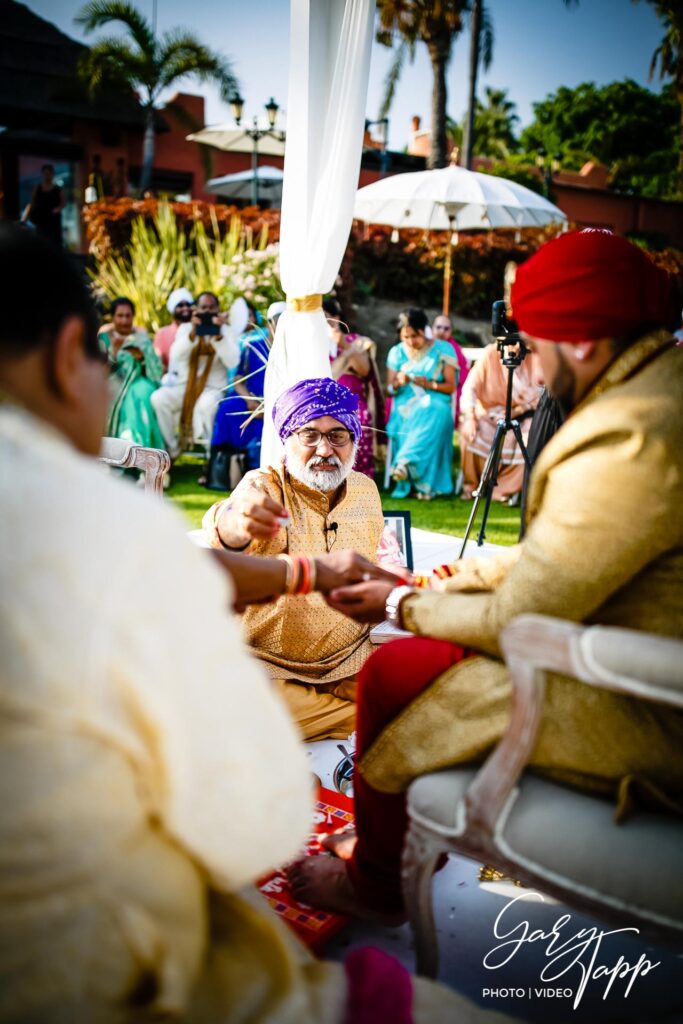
{"points": [[323, 480]]}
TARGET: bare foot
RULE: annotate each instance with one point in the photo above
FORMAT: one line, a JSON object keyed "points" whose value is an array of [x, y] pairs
{"points": [[322, 882], [341, 843]]}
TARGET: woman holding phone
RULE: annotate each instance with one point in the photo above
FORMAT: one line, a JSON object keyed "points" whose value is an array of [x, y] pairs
{"points": [[421, 379]]}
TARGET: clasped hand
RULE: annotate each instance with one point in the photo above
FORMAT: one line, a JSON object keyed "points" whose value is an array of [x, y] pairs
{"points": [[352, 584]]}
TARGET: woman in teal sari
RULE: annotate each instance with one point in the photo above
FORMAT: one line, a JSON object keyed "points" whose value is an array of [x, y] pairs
{"points": [[421, 378], [134, 373]]}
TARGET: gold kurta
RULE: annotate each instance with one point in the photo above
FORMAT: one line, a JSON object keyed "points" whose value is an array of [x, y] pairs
{"points": [[604, 545], [302, 638]]}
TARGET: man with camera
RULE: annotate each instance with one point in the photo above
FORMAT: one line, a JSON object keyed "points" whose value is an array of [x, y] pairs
{"points": [[483, 405], [201, 355], [604, 544]]}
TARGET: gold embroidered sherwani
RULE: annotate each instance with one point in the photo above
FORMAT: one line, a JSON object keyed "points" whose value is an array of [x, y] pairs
{"points": [[300, 638], [604, 545]]}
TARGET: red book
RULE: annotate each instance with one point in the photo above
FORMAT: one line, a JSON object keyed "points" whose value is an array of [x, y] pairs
{"points": [[331, 812]]}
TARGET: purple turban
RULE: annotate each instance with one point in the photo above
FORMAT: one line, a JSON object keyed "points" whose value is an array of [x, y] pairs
{"points": [[309, 400]]}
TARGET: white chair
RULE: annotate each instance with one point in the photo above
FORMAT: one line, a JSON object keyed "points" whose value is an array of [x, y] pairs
{"points": [[549, 836], [153, 462]]}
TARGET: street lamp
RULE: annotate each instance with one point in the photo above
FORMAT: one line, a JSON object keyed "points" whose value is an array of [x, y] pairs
{"points": [[548, 165], [255, 133]]}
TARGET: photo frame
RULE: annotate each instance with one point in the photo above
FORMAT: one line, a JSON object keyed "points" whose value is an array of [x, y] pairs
{"points": [[396, 540]]}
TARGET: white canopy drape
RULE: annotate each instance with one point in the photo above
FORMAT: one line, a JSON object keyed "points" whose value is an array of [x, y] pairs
{"points": [[329, 62]]}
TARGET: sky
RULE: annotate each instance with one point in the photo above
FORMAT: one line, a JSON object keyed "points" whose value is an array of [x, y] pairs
{"points": [[539, 45]]}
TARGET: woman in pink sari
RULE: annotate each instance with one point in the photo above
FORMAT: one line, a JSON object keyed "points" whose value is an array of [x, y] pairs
{"points": [[353, 363]]}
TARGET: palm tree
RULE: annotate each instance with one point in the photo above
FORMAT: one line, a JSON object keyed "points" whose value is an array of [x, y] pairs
{"points": [[669, 57], [435, 23], [146, 63], [481, 45], [481, 42], [494, 125]]}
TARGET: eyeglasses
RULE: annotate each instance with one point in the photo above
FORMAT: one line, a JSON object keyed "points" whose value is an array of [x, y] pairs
{"points": [[187, 304], [312, 438]]}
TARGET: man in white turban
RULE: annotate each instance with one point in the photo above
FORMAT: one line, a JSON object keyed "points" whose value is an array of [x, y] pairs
{"points": [[179, 305]]}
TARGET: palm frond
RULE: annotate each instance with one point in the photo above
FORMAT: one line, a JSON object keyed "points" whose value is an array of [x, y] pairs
{"points": [[205, 270], [148, 269], [110, 60], [97, 13], [393, 75], [486, 37], [181, 53]]}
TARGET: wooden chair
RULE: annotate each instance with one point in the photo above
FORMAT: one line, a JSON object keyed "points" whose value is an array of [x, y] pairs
{"points": [[560, 840], [153, 462]]}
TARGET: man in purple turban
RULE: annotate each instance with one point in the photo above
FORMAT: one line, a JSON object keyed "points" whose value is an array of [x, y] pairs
{"points": [[309, 503]]}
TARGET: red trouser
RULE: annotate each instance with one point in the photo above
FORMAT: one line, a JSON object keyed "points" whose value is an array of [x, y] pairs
{"points": [[391, 678]]}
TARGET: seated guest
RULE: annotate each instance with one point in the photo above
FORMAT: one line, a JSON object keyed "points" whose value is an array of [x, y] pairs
{"points": [[442, 330], [179, 305], [134, 376], [421, 378], [312, 651], [186, 408], [482, 404], [354, 364], [603, 545], [238, 426]]}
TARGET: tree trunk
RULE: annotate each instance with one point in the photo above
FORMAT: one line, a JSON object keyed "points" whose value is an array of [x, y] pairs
{"points": [[147, 151], [468, 140], [438, 54]]}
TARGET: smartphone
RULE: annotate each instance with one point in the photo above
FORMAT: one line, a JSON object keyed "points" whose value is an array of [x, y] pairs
{"points": [[206, 325]]}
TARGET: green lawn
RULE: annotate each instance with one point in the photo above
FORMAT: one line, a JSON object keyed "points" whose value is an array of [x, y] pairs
{"points": [[444, 515]]}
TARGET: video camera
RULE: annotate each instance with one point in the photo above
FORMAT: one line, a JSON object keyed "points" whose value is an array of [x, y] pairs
{"points": [[506, 334]]}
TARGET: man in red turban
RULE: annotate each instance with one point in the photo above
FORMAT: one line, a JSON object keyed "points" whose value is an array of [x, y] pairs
{"points": [[604, 544]]}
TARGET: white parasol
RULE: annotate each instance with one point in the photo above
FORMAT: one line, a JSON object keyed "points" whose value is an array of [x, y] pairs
{"points": [[234, 140], [453, 199], [240, 184]]}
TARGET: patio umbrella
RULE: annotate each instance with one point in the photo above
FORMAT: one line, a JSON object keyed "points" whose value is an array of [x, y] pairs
{"points": [[453, 199], [240, 185], [227, 137]]}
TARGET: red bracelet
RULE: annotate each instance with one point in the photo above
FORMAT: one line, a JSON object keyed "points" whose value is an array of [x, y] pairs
{"points": [[305, 584], [296, 574]]}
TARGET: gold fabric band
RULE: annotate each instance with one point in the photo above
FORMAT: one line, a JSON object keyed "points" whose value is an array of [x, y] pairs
{"points": [[306, 304]]}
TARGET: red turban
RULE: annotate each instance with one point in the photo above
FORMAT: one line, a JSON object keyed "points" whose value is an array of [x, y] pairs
{"points": [[587, 285]]}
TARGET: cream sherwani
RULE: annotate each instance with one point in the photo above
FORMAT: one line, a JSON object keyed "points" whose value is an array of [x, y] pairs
{"points": [[142, 752], [147, 771]]}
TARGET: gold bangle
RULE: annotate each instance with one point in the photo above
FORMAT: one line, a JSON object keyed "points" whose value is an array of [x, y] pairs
{"points": [[314, 573], [289, 575]]}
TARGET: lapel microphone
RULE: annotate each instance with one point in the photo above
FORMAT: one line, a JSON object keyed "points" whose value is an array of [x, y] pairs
{"points": [[332, 526]]}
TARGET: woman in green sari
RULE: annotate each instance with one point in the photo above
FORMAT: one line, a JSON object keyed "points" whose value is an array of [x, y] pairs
{"points": [[134, 373]]}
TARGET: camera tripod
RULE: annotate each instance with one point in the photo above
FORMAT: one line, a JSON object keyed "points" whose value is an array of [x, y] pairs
{"points": [[489, 476]]}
